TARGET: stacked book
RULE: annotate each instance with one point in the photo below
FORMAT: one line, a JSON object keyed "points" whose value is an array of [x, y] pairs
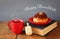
{"points": [[43, 29]]}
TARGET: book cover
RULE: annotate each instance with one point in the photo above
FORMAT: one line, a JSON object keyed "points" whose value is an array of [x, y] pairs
{"points": [[43, 29]]}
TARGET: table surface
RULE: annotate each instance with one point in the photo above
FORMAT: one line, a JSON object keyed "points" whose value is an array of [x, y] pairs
{"points": [[6, 33]]}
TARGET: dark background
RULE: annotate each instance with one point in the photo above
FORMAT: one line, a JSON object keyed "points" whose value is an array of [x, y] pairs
{"points": [[10, 9]]}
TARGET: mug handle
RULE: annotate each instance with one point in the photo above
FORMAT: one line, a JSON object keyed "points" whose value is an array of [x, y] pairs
{"points": [[9, 25]]}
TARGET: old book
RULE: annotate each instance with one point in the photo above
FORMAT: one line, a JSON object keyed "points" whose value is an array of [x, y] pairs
{"points": [[43, 29]]}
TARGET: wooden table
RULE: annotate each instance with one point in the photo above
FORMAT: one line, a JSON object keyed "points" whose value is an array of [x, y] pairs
{"points": [[5, 33]]}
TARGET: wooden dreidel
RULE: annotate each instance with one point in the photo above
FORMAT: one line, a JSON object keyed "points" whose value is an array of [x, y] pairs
{"points": [[28, 29]]}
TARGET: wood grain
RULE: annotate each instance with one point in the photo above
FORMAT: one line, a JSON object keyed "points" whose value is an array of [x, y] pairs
{"points": [[6, 33]]}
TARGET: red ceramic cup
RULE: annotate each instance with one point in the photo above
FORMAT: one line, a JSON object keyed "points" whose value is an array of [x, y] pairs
{"points": [[16, 26]]}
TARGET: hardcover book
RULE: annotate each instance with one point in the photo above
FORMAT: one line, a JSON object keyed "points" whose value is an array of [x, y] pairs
{"points": [[43, 29]]}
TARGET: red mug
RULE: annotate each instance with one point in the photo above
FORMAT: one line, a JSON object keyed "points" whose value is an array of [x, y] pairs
{"points": [[16, 26]]}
